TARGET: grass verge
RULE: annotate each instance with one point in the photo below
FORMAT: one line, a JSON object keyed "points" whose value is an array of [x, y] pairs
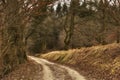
{"points": [[101, 62]]}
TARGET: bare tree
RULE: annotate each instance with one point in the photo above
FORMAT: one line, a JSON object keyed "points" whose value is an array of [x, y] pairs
{"points": [[69, 22], [12, 47], [114, 12], [15, 15]]}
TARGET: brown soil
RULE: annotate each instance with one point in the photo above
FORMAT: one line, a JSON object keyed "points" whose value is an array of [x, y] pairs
{"points": [[61, 71], [27, 71]]}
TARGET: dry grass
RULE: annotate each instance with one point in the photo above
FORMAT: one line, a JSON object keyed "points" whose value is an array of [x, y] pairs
{"points": [[101, 60]]}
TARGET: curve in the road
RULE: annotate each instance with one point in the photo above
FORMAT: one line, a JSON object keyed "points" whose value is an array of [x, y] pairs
{"points": [[48, 73], [46, 70]]}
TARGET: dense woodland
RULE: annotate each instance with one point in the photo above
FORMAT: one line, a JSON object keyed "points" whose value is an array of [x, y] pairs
{"points": [[38, 26]]}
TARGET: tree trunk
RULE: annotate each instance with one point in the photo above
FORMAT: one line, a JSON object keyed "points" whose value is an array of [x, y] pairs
{"points": [[69, 26], [118, 36], [13, 47], [69, 32]]}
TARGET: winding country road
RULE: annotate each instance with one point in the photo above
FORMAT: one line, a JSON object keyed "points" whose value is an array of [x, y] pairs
{"points": [[53, 71]]}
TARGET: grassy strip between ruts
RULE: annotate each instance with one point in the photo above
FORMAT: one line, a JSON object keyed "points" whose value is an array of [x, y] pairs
{"points": [[102, 61]]}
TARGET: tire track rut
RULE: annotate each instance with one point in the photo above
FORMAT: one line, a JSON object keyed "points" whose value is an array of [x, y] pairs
{"points": [[53, 71]]}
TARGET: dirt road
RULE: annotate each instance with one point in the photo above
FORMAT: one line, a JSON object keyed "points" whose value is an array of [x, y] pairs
{"points": [[53, 71]]}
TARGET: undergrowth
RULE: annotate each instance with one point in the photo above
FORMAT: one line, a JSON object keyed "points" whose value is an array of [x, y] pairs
{"points": [[102, 59]]}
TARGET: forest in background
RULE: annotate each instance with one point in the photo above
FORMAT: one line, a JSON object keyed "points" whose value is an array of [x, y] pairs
{"points": [[76, 25], [35, 26]]}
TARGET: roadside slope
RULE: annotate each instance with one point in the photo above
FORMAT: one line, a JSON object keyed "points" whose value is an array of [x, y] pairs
{"points": [[100, 62], [41, 69]]}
